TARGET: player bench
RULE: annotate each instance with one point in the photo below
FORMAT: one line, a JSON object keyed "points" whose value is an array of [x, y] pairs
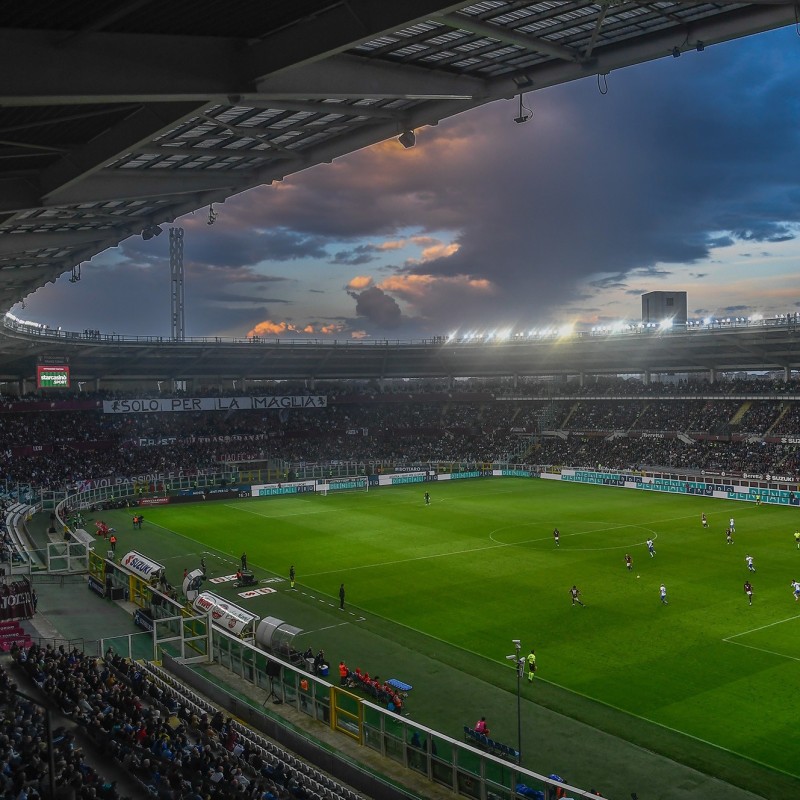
{"points": [[486, 743]]}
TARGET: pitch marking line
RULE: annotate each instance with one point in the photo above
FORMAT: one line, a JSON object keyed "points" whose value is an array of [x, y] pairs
{"points": [[753, 630], [326, 628], [279, 516], [729, 639]]}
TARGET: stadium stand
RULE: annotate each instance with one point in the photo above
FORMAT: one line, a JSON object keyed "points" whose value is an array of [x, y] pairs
{"points": [[174, 742], [736, 425], [16, 547]]}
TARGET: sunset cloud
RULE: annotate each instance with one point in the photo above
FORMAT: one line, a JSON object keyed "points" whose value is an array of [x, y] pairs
{"points": [[359, 283]]}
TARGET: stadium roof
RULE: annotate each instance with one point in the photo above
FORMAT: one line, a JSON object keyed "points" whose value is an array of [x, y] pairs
{"points": [[119, 117], [114, 358]]}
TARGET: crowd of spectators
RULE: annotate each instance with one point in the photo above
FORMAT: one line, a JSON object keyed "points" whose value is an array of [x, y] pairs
{"points": [[172, 752], [675, 454], [24, 757], [50, 448]]}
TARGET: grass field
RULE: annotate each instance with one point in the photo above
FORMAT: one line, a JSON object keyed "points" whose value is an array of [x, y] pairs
{"points": [[459, 579]]}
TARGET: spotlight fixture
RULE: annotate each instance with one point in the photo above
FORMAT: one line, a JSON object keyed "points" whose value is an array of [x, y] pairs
{"points": [[149, 231], [524, 112], [700, 46], [407, 139], [676, 52]]}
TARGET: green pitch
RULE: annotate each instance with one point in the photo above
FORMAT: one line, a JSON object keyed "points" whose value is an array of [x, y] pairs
{"points": [[459, 579]]}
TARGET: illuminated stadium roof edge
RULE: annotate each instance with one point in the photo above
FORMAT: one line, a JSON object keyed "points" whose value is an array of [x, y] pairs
{"points": [[101, 144]]}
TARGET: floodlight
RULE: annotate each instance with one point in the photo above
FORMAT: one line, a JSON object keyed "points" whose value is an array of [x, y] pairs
{"points": [[407, 139], [149, 231], [676, 52]]}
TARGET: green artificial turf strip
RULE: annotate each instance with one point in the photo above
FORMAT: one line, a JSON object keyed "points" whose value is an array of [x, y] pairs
{"points": [[462, 577]]}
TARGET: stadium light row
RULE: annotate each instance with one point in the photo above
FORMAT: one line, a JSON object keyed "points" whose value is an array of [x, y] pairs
{"points": [[12, 322]]}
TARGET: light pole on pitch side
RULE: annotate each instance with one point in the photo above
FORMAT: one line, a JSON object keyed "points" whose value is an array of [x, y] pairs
{"points": [[519, 663]]}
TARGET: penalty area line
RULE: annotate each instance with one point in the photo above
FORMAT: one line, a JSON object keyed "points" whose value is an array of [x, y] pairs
{"points": [[761, 628], [729, 639], [762, 650]]}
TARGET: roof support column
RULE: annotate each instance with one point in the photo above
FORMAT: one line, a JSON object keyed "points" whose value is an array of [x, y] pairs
{"points": [[646, 377], [787, 373], [712, 375], [581, 379]]}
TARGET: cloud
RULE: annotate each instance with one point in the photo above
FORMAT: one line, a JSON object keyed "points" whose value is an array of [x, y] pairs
{"points": [[736, 309], [283, 328], [359, 283], [765, 231], [361, 254], [377, 307]]}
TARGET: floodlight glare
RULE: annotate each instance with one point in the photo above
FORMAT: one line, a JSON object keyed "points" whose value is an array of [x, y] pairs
{"points": [[565, 330]]}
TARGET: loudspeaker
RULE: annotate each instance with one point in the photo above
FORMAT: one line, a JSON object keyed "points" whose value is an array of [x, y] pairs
{"points": [[273, 669]]}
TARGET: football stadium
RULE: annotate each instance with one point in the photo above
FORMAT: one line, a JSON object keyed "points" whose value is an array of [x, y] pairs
{"points": [[542, 564]]}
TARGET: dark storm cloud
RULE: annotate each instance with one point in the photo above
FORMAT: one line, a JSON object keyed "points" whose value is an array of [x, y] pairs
{"points": [[609, 282], [225, 245], [377, 307], [766, 232], [240, 298], [233, 248], [362, 254], [669, 164]]}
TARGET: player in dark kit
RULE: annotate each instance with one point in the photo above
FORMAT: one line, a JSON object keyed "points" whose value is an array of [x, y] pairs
{"points": [[427, 498], [748, 590], [557, 537], [575, 594], [628, 561]]}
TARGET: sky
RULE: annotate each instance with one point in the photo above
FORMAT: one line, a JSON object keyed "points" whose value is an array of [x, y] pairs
{"points": [[683, 176]]}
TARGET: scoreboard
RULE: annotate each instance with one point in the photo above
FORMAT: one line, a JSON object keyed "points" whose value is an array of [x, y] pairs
{"points": [[52, 376]]}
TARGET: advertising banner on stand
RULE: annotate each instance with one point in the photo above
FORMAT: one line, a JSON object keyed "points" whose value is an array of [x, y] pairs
{"points": [[16, 601]]}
